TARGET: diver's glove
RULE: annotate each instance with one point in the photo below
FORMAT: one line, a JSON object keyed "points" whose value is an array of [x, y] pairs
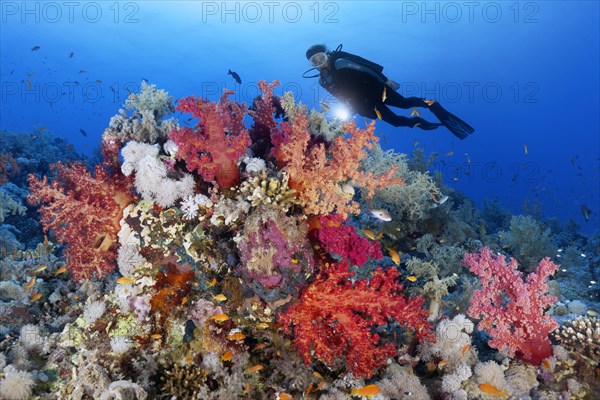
{"points": [[391, 84]]}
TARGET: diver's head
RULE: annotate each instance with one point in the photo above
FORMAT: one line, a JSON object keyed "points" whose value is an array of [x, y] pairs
{"points": [[317, 56]]}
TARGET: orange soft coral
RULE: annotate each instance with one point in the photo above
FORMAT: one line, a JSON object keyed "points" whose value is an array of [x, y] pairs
{"points": [[84, 212], [318, 173]]}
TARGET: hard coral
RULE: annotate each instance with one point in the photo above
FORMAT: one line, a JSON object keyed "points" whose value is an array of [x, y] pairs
{"points": [[84, 212], [335, 318], [318, 171], [512, 309], [213, 147]]}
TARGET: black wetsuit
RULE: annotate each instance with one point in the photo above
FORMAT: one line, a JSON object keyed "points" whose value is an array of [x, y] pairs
{"points": [[359, 83]]}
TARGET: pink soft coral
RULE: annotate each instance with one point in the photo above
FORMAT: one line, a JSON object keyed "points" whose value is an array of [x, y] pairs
{"points": [[84, 212], [216, 143], [344, 241], [512, 310], [335, 318]]}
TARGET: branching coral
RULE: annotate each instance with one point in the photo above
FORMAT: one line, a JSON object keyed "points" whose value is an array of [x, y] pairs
{"points": [[334, 318], [512, 309], [317, 172], [213, 147], [581, 336], [528, 241], [84, 212]]}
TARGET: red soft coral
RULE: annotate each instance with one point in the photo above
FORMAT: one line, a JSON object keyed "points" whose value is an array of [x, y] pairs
{"points": [[512, 310], [84, 212], [335, 318], [216, 143], [344, 241]]}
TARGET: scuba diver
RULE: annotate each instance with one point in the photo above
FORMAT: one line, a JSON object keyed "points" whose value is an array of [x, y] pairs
{"points": [[361, 86]]}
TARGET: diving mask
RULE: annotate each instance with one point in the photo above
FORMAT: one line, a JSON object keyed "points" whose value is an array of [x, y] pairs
{"points": [[318, 60]]}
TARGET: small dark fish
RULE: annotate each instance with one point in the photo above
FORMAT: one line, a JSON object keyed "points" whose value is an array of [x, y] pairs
{"points": [[98, 81], [144, 80], [69, 147], [35, 48], [112, 89], [28, 83], [71, 55], [84, 133], [82, 71], [235, 76], [585, 211]]}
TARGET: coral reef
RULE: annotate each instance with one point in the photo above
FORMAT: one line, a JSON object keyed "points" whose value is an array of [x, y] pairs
{"points": [[289, 259]]}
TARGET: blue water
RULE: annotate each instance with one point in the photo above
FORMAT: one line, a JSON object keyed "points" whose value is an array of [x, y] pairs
{"points": [[521, 73]]}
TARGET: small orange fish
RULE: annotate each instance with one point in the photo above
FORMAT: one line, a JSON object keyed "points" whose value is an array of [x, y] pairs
{"points": [[294, 260], [415, 143], [61, 270], [285, 396], [228, 356], [35, 297], [411, 278], [442, 364], [259, 346], [253, 369], [29, 284], [124, 280], [415, 112], [213, 282], [395, 256], [450, 153], [384, 94], [220, 297], [156, 336], [184, 300], [324, 105], [188, 360], [526, 149], [318, 375], [367, 391], [430, 366], [69, 147], [491, 389], [320, 386], [465, 349], [369, 234], [377, 112], [262, 325], [219, 317], [246, 389], [546, 364], [28, 83], [308, 390], [237, 336], [45, 236], [40, 269]]}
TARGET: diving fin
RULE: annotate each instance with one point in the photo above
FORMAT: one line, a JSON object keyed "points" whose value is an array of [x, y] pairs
{"points": [[457, 126]]}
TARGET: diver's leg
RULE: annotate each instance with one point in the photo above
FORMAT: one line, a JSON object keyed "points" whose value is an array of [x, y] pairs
{"points": [[398, 120], [395, 99]]}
